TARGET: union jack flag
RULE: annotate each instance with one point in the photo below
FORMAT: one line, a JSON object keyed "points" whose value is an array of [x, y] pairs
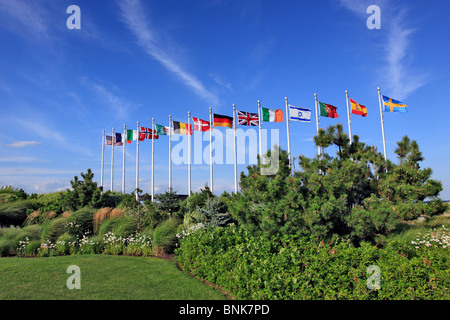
{"points": [[147, 133], [247, 118]]}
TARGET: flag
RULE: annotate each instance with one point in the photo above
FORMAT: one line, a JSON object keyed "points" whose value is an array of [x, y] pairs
{"points": [[201, 125], [358, 109], [132, 135], [327, 110], [247, 118], [119, 139], [109, 140], [222, 121], [299, 114], [181, 128], [392, 105], [147, 133], [161, 130], [272, 115]]}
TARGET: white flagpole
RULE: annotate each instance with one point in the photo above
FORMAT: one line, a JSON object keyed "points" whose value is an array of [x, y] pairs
{"points": [[112, 157], [317, 120], [210, 151], [260, 140], [288, 119], [153, 159], [382, 123], [235, 151], [170, 153], [103, 159], [137, 162], [189, 152], [124, 143], [348, 117]]}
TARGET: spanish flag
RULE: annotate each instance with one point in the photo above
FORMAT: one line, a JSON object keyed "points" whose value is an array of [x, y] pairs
{"points": [[392, 105], [181, 128], [223, 121], [358, 108]]}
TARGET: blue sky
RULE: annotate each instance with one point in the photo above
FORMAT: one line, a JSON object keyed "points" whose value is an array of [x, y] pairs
{"points": [[135, 60]]}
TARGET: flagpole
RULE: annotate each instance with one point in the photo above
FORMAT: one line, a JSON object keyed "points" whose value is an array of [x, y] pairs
{"points": [[317, 120], [210, 151], [260, 140], [288, 132], [235, 151], [113, 138], [103, 159], [137, 162], [382, 123], [153, 159], [170, 153], [124, 143], [348, 117], [189, 152]]}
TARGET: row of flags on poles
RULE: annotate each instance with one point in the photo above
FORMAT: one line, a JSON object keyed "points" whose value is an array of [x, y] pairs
{"points": [[243, 118], [248, 119]]}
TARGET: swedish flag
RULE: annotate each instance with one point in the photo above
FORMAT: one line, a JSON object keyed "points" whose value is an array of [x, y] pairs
{"points": [[392, 105]]}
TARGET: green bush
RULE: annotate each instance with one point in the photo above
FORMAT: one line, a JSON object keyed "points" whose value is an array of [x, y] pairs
{"points": [[32, 232], [32, 248], [80, 222], [108, 225], [164, 236], [7, 247], [14, 213], [53, 229], [64, 243], [253, 267], [125, 226]]}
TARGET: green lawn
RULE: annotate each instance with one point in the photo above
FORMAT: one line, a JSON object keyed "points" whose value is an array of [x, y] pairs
{"points": [[103, 277]]}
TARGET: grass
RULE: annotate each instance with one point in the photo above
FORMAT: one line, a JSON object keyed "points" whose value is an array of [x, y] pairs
{"points": [[409, 231], [103, 277]]}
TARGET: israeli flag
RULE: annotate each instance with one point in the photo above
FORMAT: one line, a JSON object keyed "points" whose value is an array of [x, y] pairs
{"points": [[299, 114]]}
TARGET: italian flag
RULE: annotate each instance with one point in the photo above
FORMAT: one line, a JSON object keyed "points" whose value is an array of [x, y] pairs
{"points": [[272, 115], [132, 135]]}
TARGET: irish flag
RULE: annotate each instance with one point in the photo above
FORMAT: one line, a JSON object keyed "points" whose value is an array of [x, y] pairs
{"points": [[327, 110], [272, 115]]}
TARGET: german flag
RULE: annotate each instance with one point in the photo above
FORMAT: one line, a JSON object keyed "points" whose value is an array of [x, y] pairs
{"points": [[223, 121]]}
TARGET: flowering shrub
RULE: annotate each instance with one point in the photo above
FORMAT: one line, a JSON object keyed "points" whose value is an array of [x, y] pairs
{"points": [[253, 267], [136, 245], [436, 237], [190, 230]]}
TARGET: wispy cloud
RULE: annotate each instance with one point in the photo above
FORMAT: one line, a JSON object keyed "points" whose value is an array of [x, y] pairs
{"points": [[22, 144], [47, 132], [402, 79], [119, 105], [21, 159], [398, 74], [24, 18], [132, 14]]}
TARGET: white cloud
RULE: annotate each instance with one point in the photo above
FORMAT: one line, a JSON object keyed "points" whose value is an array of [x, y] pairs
{"points": [[24, 18], [21, 144], [133, 16], [47, 132], [20, 159], [398, 74], [119, 105]]}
